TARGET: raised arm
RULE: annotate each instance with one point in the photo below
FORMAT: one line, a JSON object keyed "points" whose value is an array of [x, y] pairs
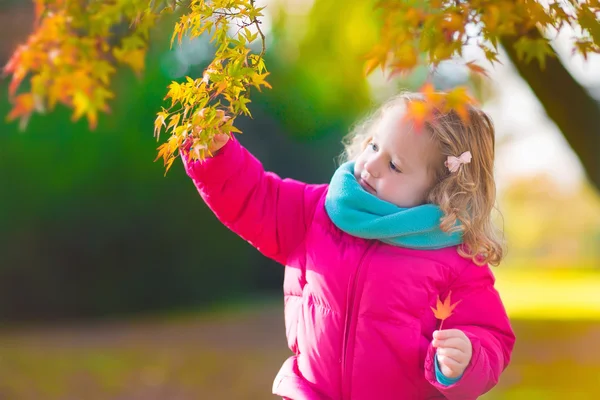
{"points": [[271, 213]]}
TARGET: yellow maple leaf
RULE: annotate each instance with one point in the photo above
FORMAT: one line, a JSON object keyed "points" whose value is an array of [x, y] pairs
{"points": [[375, 58], [444, 310], [81, 104], [135, 58], [459, 100]]}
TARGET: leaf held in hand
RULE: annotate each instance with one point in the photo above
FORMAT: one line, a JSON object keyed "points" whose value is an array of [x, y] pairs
{"points": [[444, 310]]}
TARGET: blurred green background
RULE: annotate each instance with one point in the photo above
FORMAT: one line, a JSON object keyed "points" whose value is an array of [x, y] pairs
{"points": [[118, 283]]}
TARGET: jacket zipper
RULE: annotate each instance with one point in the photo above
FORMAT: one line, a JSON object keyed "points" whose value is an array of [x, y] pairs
{"points": [[348, 321]]}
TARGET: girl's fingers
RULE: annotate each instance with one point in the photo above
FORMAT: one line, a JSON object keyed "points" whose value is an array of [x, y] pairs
{"points": [[448, 334], [453, 354], [215, 144], [218, 141], [221, 137], [455, 343], [449, 367]]}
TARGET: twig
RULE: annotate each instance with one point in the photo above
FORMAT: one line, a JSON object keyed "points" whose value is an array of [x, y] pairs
{"points": [[262, 35]]}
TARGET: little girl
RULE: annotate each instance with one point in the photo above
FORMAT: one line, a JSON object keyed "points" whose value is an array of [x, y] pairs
{"points": [[404, 222]]}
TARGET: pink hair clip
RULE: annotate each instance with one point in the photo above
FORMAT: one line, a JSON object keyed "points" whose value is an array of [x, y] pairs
{"points": [[453, 163]]}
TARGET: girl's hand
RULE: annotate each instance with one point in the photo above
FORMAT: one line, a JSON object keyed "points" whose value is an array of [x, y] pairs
{"points": [[454, 351], [217, 142]]}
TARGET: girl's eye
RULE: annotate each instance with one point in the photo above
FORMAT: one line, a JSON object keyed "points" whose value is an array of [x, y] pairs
{"points": [[374, 146], [394, 168]]}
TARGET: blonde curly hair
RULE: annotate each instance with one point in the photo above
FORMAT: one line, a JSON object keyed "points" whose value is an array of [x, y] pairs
{"points": [[467, 195]]}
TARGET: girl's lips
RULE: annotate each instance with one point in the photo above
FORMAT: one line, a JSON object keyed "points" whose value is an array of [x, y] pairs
{"points": [[365, 185]]}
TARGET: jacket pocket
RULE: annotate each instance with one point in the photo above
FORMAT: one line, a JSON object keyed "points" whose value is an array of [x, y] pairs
{"points": [[386, 358], [290, 385]]}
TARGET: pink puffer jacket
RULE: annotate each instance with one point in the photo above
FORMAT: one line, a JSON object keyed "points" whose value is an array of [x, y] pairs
{"points": [[357, 311]]}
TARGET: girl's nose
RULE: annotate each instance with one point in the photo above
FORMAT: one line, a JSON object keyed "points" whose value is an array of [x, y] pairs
{"points": [[371, 168]]}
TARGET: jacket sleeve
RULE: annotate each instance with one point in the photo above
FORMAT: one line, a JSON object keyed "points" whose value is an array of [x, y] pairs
{"points": [[482, 317], [271, 213]]}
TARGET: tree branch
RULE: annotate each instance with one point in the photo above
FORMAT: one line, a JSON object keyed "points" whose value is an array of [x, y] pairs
{"points": [[262, 35], [575, 112]]}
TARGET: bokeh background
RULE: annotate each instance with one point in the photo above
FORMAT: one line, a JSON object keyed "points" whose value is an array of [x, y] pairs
{"points": [[116, 282]]}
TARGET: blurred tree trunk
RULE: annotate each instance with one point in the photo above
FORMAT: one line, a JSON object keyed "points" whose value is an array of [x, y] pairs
{"points": [[15, 25], [567, 103]]}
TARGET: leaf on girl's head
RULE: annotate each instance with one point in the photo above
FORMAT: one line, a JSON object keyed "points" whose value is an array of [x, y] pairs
{"points": [[433, 97], [417, 112], [444, 310], [459, 100]]}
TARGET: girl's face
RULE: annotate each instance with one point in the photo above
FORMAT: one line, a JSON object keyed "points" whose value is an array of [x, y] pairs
{"points": [[397, 163]]}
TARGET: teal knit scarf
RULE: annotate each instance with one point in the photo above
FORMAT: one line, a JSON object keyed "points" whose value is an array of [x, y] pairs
{"points": [[360, 213]]}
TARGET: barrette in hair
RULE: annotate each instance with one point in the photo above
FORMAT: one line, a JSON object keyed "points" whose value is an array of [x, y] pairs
{"points": [[453, 163]]}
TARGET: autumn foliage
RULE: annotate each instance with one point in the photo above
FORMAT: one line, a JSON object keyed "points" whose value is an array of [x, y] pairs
{"points": [[203, 107], [71, 55], [444, 310], [76, 46]]}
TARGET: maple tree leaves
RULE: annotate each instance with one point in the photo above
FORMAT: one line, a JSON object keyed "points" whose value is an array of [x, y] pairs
{"points": [[207, 106], [445, 309], [429, 32], [457, 100], [72, 55]]}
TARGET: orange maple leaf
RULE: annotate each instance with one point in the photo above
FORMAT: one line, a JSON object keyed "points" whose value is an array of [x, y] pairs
{"points": [[417, 112], [477, 69], [432, 96], [459, 100], [24, 105], [444, 310]]}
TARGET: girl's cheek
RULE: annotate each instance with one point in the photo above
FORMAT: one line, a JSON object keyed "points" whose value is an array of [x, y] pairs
{"points": [[358, 166]]}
